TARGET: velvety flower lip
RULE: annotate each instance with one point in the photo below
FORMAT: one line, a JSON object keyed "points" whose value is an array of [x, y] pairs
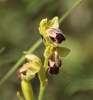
{"points": [[53, 70], [54, 63], [56, 35]]}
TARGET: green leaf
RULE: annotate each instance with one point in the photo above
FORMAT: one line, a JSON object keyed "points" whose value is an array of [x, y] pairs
{"points": [[63, 51]]}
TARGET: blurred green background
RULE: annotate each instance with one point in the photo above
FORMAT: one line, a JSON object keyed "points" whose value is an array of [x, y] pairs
{"points": [[19, 22]]}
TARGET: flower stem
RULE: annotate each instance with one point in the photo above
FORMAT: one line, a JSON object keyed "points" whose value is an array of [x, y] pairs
{"points": [[69, 11], [45, 64], [42, 88], [43, 82]]}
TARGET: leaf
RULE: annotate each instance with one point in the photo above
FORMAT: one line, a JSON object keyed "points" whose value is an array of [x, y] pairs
{"points": [[63, 51]]}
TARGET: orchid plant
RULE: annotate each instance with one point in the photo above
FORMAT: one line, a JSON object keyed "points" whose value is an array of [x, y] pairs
{"points": [[51, 36]]}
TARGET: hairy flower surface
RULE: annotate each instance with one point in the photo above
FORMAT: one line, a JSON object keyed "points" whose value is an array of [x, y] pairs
{"points": [[54, 63], [56, 35]]}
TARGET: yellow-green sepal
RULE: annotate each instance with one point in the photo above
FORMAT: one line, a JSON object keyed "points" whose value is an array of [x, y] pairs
{"points": [[32, 58], [63, 51], [54, 23]]}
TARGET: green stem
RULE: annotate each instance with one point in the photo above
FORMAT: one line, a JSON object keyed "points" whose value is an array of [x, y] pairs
{"points": [[45, 63], [33, 48], [43, 82], [42, 88], [69, 11]]}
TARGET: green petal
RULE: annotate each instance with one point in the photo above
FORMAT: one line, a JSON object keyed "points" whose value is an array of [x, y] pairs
{"points": [[63, 51], [34, 68], [54, 23], [43, 26], [32, 71], [43, 23], [32, 58]]}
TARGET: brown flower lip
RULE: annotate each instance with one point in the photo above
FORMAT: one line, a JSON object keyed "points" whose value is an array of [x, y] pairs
{"points": [[54, 63], [53, 70], [56, 35]]}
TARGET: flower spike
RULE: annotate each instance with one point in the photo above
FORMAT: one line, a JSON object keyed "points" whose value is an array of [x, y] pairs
{"points": [[52, 36]]}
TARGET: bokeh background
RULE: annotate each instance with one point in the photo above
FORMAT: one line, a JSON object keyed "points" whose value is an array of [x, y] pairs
{"points": [[19, 22]]}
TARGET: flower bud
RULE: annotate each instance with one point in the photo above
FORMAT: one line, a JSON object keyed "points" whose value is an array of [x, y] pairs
{"points": [[56, 35], [54, 63]]}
